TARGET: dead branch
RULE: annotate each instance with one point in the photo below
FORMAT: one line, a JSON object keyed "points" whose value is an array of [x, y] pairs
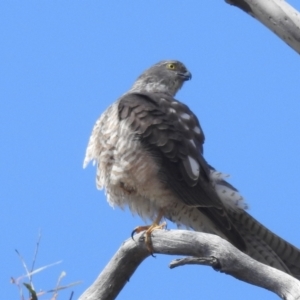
{"points": [[277, 15], [203, 249]]}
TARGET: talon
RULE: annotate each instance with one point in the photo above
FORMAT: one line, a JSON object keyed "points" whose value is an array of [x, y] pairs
{"points": [[139, 229], [148, 230], [148, 233]]}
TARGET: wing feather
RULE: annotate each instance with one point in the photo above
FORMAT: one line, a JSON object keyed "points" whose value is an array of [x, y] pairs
{"points": [[170, 132]]}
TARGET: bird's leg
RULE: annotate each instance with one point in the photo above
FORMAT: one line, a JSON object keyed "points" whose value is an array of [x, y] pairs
{"points": [[148, 230]]}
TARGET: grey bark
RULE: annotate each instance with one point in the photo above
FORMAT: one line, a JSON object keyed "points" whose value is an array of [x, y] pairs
{"points": [[277, 15], [201, 248]]}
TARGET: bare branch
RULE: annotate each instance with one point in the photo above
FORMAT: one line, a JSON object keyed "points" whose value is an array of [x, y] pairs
{"points": [[203, 261], [277, 15], [205, 249], [35, 256]]}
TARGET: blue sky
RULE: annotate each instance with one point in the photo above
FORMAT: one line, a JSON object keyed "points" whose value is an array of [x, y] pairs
{"points": [[62, 64]]}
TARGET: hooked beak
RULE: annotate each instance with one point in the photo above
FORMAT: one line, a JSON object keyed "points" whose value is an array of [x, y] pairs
{"points": [[185, 76]]}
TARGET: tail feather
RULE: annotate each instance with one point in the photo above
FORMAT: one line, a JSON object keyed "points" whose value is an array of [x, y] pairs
{"points": [[265, 246]]}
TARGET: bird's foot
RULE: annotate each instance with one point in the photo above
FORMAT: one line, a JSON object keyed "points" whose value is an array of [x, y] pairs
{"points": [[148, 230]]}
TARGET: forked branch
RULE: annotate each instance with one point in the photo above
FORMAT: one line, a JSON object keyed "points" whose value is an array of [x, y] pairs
{"points": [[201, 248]]}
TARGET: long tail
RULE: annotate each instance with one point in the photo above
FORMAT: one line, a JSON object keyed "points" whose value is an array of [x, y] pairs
{"points": [[265, 246]]}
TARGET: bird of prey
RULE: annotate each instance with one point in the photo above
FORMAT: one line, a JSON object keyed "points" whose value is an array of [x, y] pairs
{"points": [[148, 148]]}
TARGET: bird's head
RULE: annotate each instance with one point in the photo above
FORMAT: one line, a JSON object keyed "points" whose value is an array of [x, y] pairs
{"points": [[166, 76]]}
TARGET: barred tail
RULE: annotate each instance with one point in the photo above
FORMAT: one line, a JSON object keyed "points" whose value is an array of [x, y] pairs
{"points": [[265, 246]]}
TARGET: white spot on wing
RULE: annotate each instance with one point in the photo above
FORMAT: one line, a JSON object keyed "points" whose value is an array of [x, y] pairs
{"points": [[185, 116], [172, 110], [194, 166], [197, 129], [193, 143]]}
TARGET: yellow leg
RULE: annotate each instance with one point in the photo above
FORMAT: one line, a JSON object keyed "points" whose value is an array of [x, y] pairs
{"points": [[148, 230]]}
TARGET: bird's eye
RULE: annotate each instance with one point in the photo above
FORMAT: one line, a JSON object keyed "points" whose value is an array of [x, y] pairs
{"points": [[171, 66]]}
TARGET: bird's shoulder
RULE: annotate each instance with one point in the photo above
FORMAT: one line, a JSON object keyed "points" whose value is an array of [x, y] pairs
{"points": [[164, 109], [167, 127]]}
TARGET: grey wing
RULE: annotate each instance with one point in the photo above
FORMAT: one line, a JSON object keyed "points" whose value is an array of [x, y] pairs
{"points": [[171, 133]]}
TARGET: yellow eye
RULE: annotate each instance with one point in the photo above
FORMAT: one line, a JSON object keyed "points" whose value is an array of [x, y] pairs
{"points": [[171, 66]]}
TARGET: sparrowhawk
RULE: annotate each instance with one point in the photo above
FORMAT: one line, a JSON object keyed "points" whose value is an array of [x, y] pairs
{"points": [[148, 148]]}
